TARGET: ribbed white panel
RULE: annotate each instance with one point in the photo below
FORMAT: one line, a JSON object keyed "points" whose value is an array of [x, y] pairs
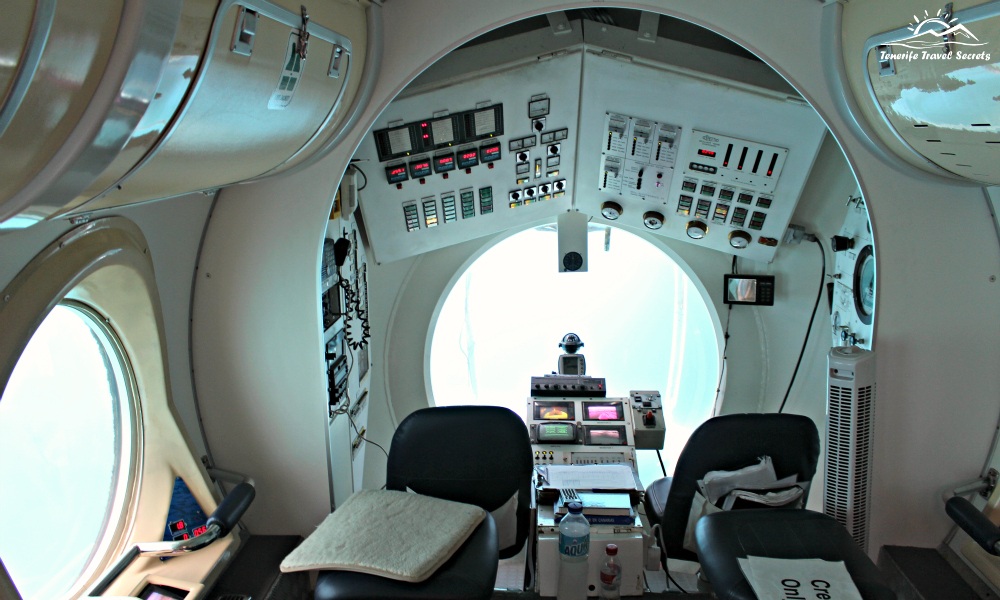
{"points": [[850, 419]]}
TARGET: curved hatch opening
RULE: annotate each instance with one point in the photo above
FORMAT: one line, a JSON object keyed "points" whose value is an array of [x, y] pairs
{"points": [[644, 323]]}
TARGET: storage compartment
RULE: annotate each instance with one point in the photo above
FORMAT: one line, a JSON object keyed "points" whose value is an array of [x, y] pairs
{"points": [[172, 98]]}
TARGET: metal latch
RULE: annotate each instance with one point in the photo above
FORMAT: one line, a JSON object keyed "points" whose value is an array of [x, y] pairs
{"points": [[338, 53], [991, 483], [245, 32], [303, 34]]}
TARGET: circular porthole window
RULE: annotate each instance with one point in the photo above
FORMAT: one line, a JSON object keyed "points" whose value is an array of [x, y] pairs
{"points": [[643, 322], [66, 445]]}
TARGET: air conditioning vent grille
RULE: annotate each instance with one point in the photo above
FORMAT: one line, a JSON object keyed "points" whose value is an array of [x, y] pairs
{"points": [[850, 417]]}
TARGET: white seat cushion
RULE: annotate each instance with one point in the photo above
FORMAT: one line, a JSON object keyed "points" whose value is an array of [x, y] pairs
{"points": [[387, 533]]}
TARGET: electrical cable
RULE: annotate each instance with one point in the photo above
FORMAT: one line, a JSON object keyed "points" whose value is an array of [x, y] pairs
{"points": [[676, 585], [353, 311], [657, 532], [362, 174], [812, 317], [345, 407], [660, 458], [725, 340]]}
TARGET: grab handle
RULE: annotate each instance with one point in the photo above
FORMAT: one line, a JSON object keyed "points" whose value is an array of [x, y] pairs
{"points": [[231, 509], [975, 523], [222, 521]]}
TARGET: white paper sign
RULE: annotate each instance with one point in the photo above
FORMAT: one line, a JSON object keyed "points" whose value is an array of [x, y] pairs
{"points": [[799, 579]]}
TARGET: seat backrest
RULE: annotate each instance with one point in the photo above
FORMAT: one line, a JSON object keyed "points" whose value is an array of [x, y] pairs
{"points": [[474, 454], [731, 442]]}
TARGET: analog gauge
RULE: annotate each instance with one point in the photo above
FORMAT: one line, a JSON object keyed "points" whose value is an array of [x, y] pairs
{"points": [[864, 284], [739, 239], [696, 230], [611, 210], [572, 261], [652, 220]]}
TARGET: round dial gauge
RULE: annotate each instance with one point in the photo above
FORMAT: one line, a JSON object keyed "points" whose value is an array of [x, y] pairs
{"points": [[572, 261], [696, 230], [652, 220], [611, 210], [739, 239], [864, 284]]}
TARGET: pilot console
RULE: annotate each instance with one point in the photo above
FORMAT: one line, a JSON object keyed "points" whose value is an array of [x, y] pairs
{"points": [[572, 421], [585, 440]]}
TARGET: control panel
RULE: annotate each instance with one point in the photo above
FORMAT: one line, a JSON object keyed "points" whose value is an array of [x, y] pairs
{"points": [[719, 167], [569, 385], [471, 151], [647, 416], [581, 430], [469, 158], [854, 279]]}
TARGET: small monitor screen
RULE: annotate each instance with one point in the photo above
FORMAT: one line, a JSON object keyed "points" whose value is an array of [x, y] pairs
{"points": [[162, 592], [606, 436], [749, 289], [742, 290], [572, 364], [556, 432], [603, 411], [555, 411]]}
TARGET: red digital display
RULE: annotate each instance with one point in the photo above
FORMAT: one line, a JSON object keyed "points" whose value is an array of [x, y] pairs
{"points": [[489, 152], [708, 153], [396, 174], [468, 158], [199, 530], [420, 168], [444, 163]]}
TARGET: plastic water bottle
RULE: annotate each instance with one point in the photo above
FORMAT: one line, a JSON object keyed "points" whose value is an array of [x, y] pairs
{"points": [[611, 575], [574, 548]]}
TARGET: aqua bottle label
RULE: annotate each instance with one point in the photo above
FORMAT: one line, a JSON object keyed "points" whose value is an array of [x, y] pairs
{"points": [[574, 546]]}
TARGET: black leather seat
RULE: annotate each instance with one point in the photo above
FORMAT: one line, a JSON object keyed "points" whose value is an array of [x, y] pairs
{"points": [[473, 454], [776, 533], [728, 443]]}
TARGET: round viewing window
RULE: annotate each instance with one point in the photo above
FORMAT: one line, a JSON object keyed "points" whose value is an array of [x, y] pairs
{"points": [[66, 439], [643, 322]]}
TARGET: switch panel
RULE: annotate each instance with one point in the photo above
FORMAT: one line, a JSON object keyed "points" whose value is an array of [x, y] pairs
{"points": [[638, 157], [473, 158], [742, 163]]}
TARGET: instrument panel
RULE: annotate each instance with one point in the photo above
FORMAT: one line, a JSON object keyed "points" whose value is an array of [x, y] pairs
{"points": [[638, 143]]}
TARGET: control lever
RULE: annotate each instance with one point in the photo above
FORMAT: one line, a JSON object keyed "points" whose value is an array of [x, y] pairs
{"points": [[219, 524], [974, 522]]}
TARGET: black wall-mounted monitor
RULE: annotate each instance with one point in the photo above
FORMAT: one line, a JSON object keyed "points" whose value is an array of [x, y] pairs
{"points": [[749, 289]]}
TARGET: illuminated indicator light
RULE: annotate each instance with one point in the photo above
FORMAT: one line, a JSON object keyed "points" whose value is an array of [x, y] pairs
{"points": [[774, 160], [708, 153], [743, 157], [729, 151]]}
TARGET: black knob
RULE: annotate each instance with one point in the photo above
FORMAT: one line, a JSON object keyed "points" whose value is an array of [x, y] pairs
{"points": [[841, 243]]}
